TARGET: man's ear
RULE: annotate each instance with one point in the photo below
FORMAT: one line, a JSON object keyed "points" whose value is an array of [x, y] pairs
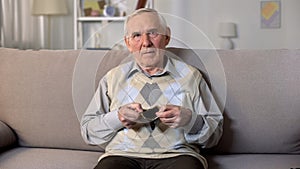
{"points": [[168, 36], [127, 43]]}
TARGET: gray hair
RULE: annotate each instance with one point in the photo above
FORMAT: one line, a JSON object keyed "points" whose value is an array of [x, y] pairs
{"points": [[162, 20]]}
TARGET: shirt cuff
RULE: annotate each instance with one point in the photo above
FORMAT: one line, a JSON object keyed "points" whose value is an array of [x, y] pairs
{"points": [[194, 125], [113, 120]]}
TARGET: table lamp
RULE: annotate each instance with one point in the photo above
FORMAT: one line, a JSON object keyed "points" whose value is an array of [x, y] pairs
{"points": [[227, 30], [46, 8]]}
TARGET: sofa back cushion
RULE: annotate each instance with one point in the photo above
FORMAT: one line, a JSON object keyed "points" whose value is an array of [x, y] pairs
{"points": [[262, 103], [36, 98], [262, 109], [43, 93]]}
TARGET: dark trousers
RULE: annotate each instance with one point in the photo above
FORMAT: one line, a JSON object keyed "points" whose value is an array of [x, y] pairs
{"points": [[121, 162]]}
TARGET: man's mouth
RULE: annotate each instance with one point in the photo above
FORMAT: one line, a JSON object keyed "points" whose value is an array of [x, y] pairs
{"points": [[148, 52]]}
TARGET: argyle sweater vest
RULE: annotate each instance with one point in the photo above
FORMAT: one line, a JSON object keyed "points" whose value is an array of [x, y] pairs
{"points": [[126, 86]]}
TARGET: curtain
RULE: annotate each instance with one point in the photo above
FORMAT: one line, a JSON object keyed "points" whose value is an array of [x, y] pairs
{"points": [[19, 29]]}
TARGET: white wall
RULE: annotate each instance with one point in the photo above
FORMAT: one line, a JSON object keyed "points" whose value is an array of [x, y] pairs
{"points": [[206, 14]]}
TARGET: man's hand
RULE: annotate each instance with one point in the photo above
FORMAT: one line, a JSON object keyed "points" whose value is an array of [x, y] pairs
{"points": [[174, 116], [129, 114]]}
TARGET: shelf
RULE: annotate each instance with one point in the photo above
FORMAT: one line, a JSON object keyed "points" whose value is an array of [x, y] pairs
{"points": [[85, 27], [100, 18]]}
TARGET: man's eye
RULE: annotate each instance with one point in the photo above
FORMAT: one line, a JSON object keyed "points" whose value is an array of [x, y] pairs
{"points": [[153, 33], [136, 35]]}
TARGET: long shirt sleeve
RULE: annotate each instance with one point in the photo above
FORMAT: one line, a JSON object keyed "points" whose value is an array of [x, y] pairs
{"points": [[98, 124], [206, 125]]}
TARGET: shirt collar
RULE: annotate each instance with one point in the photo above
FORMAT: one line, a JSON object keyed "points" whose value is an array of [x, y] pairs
{"points": [[169, 68]]}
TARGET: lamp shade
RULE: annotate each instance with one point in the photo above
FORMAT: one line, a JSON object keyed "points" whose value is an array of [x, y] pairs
{"points": [[227, 30], [49, 7]]}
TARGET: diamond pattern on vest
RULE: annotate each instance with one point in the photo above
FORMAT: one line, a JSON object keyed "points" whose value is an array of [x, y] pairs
{"points": [[151, 93]]}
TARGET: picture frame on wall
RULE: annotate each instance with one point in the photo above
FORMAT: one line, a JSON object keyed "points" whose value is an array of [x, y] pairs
{"points": [[270, 14]]}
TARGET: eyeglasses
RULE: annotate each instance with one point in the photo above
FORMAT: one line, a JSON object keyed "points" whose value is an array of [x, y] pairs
{"points": [[137, 36]]}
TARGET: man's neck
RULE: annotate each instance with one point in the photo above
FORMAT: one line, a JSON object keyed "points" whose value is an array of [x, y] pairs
{"points": [[152, 71], [155, 69]]}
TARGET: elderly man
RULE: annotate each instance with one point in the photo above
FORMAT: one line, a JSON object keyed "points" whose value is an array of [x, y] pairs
{"points": [[183, 115]]}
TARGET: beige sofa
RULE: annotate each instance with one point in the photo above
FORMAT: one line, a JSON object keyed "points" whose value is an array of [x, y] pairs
{"points": [[43, 93]]}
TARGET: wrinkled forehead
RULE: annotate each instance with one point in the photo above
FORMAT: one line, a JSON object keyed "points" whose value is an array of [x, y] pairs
{"points": [[144, 22]]}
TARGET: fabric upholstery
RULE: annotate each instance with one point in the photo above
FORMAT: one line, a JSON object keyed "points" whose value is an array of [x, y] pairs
{"points": [[32, 158], [262, 109], [36, 98], [254, 161], [7, 136]]}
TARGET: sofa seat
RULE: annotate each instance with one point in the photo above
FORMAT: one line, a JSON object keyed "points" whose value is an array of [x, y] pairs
{"points": [[254, 161], [77, 159], [43, 158]]}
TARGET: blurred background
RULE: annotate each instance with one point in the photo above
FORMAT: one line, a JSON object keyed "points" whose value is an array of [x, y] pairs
{"points": [[98, 24]]}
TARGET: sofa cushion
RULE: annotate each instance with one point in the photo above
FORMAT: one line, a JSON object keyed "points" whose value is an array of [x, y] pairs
{"points": [[7, 136], [20, 158], [254, 161], [262, 109], [36, 98]]}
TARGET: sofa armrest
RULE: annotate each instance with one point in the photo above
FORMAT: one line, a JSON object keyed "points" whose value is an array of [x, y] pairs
{"points": [[8, 138]]}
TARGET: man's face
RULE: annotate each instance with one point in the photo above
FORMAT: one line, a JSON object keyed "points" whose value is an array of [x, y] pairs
{"points": [[147, 39]]}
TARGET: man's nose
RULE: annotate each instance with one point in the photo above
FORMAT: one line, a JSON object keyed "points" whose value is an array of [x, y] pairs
{"points": [[146, 40]]}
